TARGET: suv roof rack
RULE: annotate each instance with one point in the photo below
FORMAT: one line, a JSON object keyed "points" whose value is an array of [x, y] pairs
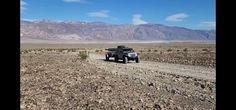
{"points": [[121, 46]]}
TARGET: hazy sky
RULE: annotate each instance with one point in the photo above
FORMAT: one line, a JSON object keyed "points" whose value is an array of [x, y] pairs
{"points": [[195, 14]]}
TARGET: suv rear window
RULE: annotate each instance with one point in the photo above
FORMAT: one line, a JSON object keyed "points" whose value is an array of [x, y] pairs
{"points": [[111, 49]]}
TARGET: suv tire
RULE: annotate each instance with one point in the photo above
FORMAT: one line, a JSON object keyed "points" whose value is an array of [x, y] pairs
{"points": [[125, 60], [137, 60]]}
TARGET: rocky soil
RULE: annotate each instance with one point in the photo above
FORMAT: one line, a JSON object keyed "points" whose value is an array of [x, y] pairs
{"points": [[207, 59], [61, 80]]}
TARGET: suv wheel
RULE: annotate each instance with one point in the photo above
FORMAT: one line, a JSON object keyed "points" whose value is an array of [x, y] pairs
{"points": [[137, 60], [125, 60], [107, 58]]}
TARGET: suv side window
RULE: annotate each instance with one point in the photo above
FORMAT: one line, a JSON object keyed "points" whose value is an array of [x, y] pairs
{"points": [[120, 53]]}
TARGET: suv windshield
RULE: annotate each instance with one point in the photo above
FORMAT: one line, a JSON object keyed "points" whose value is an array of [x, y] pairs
{"points": [[128, 50]]}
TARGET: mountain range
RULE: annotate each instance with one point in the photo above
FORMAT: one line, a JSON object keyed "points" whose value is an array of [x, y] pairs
{"points": [[100, 31]]}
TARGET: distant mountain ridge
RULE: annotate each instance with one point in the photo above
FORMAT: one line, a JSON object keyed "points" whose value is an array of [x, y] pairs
{"points": [[100, 31]]}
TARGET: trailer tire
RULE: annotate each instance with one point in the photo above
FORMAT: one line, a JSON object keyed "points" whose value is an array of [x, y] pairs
{"points": [[116, 59]]}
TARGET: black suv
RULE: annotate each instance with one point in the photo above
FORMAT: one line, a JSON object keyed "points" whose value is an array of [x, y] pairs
{"points": [[123, 53]]}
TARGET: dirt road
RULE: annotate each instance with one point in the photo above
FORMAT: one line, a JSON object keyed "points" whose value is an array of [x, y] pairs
{"points": [[145, 66]]}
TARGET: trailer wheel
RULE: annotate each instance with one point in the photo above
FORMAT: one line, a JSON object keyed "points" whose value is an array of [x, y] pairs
{"points": [[107, 58], [116, 59]]}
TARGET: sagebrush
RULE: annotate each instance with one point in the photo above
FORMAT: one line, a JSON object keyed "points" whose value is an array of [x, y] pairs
{"points": [[83, 55]]}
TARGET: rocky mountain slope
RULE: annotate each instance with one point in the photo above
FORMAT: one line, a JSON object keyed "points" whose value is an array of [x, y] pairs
{"points": [[95, 31]]}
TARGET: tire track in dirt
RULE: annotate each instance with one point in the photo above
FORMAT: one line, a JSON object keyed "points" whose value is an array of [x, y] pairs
{"points": [[178, 69]]}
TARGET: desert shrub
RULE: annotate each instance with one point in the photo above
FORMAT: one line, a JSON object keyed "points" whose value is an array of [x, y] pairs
{"points": [[30, 56], [41, 50], [73, 50], [60, 50], [83, 55], [149, 50], [65, 51], [169, 50], [161, 52], [141, 51], [96, 50], [185, 49], [205, 49], [155, 50]]}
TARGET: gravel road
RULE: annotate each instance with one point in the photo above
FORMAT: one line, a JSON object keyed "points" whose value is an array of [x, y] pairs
{"points": [[178, 69]]}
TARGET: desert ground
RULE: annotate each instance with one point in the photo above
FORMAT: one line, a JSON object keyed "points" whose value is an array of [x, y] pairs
{"points": [[170, 76]]}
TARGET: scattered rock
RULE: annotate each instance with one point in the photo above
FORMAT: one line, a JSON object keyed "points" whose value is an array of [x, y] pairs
{"points": [[173, 91], [150, 84], [202, 86], [196, 83], [157, 88], [157, 107], [100, 101], [178, 108], [23, 69], [212, 96]]}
